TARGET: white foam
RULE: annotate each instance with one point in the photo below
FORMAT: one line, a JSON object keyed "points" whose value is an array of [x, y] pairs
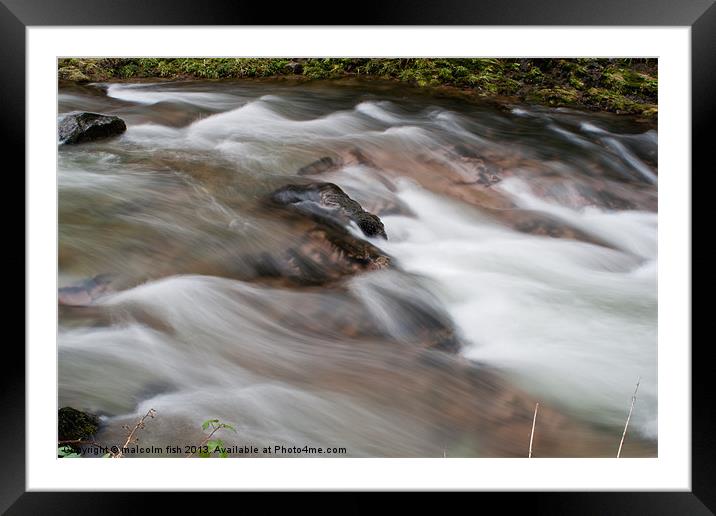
{"points": [[572, 322]]}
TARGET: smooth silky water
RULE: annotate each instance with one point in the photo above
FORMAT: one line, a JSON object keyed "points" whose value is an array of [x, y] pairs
{"points": [[533, 231]]}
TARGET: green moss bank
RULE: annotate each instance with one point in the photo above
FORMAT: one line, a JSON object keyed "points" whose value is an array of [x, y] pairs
{"points": [[616, 85], [75, 425]]}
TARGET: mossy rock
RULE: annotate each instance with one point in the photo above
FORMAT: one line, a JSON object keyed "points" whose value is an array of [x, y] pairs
{"points": [[73, 424], [558, 96], [73, 74]]}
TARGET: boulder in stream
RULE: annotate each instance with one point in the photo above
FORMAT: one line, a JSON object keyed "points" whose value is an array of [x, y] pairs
{"points": [[325, 250], [82, 127], [328, 204], [326, 255]]}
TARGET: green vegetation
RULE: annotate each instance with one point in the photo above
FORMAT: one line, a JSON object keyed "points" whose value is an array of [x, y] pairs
{"points": [[617, 85], [209, 445], [67, 452], [71, 448], [85, 70]]}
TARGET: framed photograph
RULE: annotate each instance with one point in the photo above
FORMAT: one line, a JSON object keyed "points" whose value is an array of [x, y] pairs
{"points": [[436, 249]]}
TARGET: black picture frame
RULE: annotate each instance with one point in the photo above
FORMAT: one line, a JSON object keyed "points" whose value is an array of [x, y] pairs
{"points": [[16, 15]]}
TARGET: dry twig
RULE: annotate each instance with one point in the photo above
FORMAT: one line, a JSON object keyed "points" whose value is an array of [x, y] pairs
{"points": [[633, 399], [130, 438], [534, 420]]}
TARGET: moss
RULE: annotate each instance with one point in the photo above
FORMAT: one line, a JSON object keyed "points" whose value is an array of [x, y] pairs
{"points": [[72, 73], [620, 85], [650, 110], [81, 70], [576, 83], [612, 101], [534, 75], [557, 96], [75, 425]]}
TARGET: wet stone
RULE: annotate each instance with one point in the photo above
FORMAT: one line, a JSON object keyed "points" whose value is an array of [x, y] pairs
{"points": [[328, 204], [87, 127]]}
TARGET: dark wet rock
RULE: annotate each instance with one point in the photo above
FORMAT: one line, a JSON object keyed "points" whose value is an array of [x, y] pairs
{"points": [[294, 67], [86, 127], [328, 204], [324, 254], [323, 250], [73, 424], [321, 166], [85, 292], [358, 252]]}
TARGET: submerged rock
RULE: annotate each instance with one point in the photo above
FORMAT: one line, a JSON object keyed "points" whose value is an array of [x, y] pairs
{"points": [[85, 127], [323, 256], [541, 224], [73, 424], [361, 157], [320, 166], [85, 292], [327, 203]]}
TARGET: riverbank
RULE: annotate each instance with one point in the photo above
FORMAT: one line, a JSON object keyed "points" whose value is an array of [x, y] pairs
{"points": [[622, 86]]}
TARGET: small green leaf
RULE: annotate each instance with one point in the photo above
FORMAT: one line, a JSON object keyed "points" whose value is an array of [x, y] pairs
{"points": [[67, 452], [208, 422], [214, 444]]}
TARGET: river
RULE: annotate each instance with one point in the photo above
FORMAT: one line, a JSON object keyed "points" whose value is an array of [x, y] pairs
{"points": [[528, 233]]}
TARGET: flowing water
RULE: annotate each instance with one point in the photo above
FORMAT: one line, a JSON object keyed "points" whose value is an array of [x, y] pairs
{"points": [[528, 234]]}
